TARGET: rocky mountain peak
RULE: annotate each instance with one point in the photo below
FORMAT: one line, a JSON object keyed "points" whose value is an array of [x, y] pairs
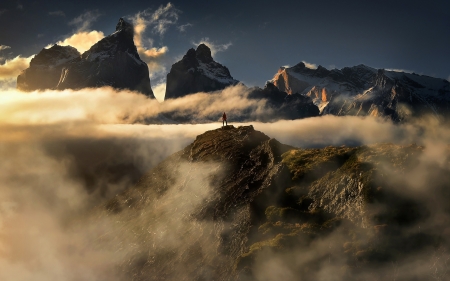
{"points": [[112, 61], [197, 72], [321, 71], [203, 53], [55, 55], [361, 90], [123, 25], [45, 68]]}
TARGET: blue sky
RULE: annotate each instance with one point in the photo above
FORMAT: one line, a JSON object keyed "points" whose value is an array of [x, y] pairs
{"points": [[252, 38]]}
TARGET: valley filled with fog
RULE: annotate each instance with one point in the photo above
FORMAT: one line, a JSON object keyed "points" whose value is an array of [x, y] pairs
{"points": [[67, 153]]}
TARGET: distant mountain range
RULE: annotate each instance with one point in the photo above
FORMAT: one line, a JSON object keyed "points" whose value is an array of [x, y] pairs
{"points": [[362, 91], [293, 93]]}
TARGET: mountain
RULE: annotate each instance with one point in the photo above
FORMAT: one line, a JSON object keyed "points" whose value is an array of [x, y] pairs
{"points": [[197, 72], [362, 90], [283, 105], [239, 205], [45, 68], [112, 61]]}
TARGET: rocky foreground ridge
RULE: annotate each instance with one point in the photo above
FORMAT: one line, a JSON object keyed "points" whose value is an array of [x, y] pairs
{"points": [[239, 205], [112, 61], [363, 90]]}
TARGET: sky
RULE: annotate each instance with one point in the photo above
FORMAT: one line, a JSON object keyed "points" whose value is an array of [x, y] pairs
{"points": [[253, 39]]}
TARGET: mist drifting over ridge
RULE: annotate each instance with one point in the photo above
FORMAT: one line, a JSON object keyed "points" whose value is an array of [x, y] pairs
{"points": [[71, 151]]}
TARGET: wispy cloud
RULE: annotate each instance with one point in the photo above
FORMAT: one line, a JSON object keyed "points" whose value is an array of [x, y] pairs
{"points": [[82, 40], [159, 91], [19, 6], [310, 65], [84, 37], [215, 48], [164, 17], [11, 68], [159, 22], [399, 70], [84, 21], [4, 47], [57, 13], [182, 28]]}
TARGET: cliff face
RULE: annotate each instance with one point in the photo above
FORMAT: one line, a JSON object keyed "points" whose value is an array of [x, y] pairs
{"points": [[285, 106], [235, 201], [113, 61], [45, 68], [197, 72], [362, 90]]}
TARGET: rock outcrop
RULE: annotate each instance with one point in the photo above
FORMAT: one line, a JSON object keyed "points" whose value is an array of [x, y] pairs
{"points": [[197, 72], [236, 200], [362, 91], [45, 68], [113, 61]]}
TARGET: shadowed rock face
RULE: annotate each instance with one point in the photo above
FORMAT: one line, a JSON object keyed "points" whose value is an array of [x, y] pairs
{"points": [[113, 61], [285, 106], [235, 199], [45, 68], [197, 72], [362, 90]]}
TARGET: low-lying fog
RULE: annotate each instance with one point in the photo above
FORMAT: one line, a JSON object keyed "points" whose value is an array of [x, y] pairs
{"points": [[65, 152]]}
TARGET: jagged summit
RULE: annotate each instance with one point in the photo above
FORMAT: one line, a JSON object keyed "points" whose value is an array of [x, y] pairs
{"points": [[363, 90], [112, 61], [203, 53], [197, 72], [123, 25]]}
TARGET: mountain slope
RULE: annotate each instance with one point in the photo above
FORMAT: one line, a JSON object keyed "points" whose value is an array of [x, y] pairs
{"points": [[362, 90], [197, 72], [238, 205], [45, 68], [113, 61]]}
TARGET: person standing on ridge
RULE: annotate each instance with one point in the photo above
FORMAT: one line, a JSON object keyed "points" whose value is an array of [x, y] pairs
{"points": [[224, 120]]}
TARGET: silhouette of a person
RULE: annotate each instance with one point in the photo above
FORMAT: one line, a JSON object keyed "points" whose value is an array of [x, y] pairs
{"points": [[224, 120]]}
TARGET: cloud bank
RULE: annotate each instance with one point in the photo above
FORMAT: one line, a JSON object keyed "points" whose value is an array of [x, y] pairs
{"points": [[11, 68], [70, 151]]}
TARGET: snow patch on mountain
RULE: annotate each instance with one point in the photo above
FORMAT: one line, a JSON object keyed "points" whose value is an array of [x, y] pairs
{"points": [[212, 71]]}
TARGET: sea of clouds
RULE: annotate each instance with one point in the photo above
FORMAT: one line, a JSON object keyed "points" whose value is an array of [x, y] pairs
{"points": [[65, 152]]}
